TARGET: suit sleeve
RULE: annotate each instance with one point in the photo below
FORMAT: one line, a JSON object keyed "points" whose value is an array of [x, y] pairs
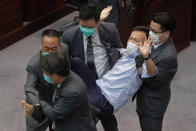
{"points": [[66, 41], [117, 41], [32, 96], [166, 70], [65, 51], [62, 107]]}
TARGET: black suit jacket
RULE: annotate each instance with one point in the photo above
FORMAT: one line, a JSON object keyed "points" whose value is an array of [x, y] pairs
{"points": [[71, 109], [36, 88], [154, 94], [109, 37]]}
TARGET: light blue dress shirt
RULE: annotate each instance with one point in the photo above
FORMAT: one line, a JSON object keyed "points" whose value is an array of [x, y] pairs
{"points": [[120, 83]]}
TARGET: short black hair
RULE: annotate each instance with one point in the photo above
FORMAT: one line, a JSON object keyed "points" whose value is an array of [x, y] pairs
{"points": [[90, 11], [55, 63], [51, 33], [142, 29], [166, 20]]}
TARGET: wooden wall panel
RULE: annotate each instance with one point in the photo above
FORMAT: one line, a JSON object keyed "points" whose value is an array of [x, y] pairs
{"points": [[180, 9], [37, 23], [127, 22], [193, 21], [36, 8], [10, 15]]}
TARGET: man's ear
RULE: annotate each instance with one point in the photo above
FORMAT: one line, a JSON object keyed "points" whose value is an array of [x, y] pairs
{"points": [[167, 33]]}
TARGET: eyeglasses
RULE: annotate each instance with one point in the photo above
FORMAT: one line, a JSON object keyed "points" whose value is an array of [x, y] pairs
{"points": [[47, 49], [156, 32]]}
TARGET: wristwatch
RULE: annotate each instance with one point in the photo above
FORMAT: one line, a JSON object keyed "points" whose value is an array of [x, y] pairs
{"points": [[37, 107], [37, 113], [147, 57]]}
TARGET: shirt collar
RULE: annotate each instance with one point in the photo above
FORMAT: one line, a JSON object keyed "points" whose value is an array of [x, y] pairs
{"points": [[59, 85], [156, 46]]}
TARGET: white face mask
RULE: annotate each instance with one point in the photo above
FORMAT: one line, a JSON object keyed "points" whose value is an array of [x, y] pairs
{"points": [[131, 48], [154, 37]]}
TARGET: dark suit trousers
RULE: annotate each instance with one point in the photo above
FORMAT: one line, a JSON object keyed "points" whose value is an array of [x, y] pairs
{"points": [[95, 96], [150, 120], [148, 123]]}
